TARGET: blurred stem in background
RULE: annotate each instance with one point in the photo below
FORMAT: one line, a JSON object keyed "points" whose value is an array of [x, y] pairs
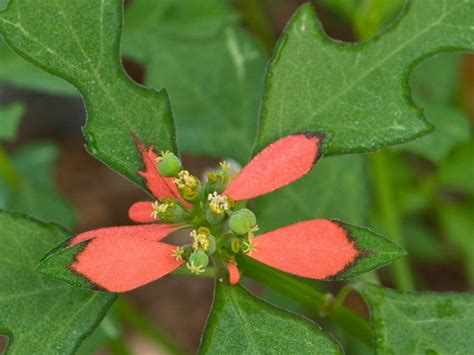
{"points": [[384, 195], [7, 170], [256, 19], [314, 300], [139, 322]]}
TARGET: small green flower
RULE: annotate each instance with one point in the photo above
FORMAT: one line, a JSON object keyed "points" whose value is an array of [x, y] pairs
{"points": [[242, 221], [198, 262], [169, 164]]}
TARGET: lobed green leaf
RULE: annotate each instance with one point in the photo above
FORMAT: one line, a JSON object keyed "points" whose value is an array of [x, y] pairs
{"points": [[40, 315], [240, 323], [420, 323], [358, 92], [212, 70], [35, 192], [80, 42]]}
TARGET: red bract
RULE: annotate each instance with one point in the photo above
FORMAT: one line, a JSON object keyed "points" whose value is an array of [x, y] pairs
{"points": [[119, 259]]}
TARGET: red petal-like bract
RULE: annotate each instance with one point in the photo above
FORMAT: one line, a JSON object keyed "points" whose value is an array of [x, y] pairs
{"points": [[119, 263], [279, 164], [317, 249], [160, 186], [141, 211], [154, 232], [234, 274]]}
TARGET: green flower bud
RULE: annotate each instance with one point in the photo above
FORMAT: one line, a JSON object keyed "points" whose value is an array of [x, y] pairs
{"points": [[212, 245], [242, 221], [199, 259], [213, 218], [169, 165]]}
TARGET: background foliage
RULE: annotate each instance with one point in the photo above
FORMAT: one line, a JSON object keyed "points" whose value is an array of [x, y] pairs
{"points": [[368, 95]]}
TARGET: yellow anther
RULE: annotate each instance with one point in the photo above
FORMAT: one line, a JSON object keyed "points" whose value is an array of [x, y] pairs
{"points": [[200, 240], [185, 180], [187, 185], [218, 204], [160, 208]]}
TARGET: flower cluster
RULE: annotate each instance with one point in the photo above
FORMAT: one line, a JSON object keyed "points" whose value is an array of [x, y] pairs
{"points": [[221, 227]]}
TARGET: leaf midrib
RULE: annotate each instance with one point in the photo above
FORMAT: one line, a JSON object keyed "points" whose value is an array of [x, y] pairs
{"points": [[240, 316]]}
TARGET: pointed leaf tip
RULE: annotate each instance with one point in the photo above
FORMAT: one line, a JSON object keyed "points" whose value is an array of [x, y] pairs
{"points": [[240, 323], [277, 165]]}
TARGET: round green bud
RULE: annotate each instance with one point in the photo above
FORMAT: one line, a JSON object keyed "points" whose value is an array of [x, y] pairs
{"points": [[212, 245], [169, 165], [214, 218], [199, 259], [242, 221]]}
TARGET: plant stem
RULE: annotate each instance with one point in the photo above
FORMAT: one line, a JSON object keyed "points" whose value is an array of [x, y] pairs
{"points": [[7, 170], [140, 322], [308, 296], [184, 271], [385, 195], [118, 347]]}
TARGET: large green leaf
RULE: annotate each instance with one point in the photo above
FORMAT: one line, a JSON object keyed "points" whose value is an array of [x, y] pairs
{"points": [[183, 18], [9, 120], [337, 187], [240, 323], [16, 71], [213, 72], [80, 42], [35, 193], [40, 315], [358, 92], [420, 323]]}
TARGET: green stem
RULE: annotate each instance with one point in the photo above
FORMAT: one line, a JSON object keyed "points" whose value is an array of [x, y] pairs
{"points": [[132, 316], [385, 197], [184, 271], [308, 296], [118, 346], [7, 170]]}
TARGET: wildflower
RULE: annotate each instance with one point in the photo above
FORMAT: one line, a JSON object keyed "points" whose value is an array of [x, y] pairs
{"points": [[119, 259]]}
